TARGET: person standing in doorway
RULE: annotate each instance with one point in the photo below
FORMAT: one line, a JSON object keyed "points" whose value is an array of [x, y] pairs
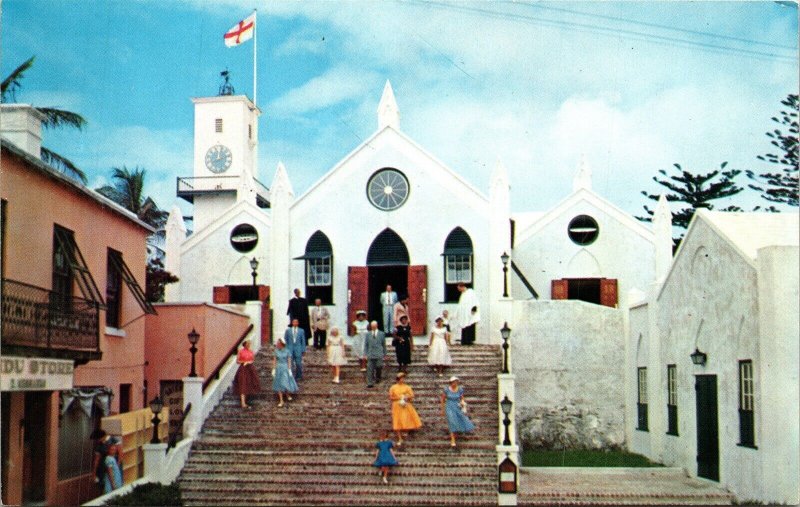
{"points": [[403, 343], [468, 314], [298, 309], [374, 349], [388, 300], [401, 309], [296, 344], [319, 324]]}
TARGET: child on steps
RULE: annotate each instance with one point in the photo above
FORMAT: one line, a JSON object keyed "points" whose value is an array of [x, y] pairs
{"points": [[384, 456]]}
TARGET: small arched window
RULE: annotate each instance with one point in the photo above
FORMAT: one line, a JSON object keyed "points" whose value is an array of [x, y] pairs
{"points": [[319, 268], [457, 263]]}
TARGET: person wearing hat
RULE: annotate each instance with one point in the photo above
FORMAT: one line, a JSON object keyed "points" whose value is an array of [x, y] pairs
{"points": [[403, 343], [404, 415], [455, 409], [360, 329], [438, 347]]}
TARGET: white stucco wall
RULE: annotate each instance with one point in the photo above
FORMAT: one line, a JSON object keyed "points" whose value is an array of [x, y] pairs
{"points": [[209, 260], [438, 202], [620, 252], [568, 359]]}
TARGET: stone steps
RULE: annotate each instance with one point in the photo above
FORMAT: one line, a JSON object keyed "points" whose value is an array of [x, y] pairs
{"points": [[319, 448]]}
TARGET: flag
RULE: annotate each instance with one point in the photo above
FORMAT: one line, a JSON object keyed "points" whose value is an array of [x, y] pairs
{"points": [[241, 31]]}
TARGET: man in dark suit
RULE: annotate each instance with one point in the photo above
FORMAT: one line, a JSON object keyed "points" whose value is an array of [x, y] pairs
{"points": [[374, 350], [295, 339], [298, 309]]}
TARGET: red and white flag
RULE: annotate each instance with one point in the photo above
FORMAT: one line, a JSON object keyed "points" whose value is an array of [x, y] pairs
{"points": [[241, 31]]}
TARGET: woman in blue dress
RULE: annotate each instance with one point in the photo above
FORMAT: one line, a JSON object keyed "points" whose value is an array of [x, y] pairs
{"points": [[282, 379], [384, 456], [112, 478], [455, 408]]}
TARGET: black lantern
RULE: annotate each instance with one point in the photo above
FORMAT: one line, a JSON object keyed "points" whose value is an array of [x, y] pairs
{"points": [[506, 405], [698, 358], [155, 407], [505, 259], [254, 267], [193, 339], [505, 333]]}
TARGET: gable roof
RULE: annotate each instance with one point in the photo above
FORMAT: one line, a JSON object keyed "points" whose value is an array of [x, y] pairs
{"points": [[744, 232], [583, 194], [367, 144], [239, 208]]}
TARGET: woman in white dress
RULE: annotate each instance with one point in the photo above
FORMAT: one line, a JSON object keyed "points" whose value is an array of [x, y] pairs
{"points": [[361, 327], [438, 351], [335, 350]]}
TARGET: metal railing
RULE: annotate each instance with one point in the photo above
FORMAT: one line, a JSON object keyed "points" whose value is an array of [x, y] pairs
{"points": [[232, 352], [40, 318], [198, 184], [174, 435]]}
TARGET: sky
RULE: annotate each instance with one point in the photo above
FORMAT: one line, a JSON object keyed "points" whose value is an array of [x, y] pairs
{"points": [[633, 87]]}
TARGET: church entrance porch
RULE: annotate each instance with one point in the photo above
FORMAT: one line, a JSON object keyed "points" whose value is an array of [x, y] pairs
{"points": [[365, 284]]}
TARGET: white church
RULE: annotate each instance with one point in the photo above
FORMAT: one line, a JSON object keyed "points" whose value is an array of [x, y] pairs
{"points": [[390, 212]]}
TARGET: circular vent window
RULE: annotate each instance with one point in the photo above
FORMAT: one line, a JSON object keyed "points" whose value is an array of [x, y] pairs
{"points": [[583, 230], [387, 189], [244, 238]]}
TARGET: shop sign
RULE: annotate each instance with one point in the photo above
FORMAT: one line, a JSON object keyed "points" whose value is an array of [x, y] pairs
{"points": [[35, 374]]}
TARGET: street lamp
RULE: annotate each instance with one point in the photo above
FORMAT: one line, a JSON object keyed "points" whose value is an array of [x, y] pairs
{"points": [[254, 267], [505, 259], [505, 332], [698, 358], [155, 407], [194, 337], [506, 406]]}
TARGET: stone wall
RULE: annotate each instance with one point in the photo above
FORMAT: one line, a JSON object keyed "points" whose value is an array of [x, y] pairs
{"points": [[568, 360]]}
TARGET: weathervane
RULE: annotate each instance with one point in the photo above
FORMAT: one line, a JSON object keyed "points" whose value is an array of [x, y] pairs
{"points": [[226, 88]]}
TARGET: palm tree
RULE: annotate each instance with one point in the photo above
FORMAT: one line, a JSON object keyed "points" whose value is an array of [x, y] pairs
{"points": [[54, 118], [127, 190]]}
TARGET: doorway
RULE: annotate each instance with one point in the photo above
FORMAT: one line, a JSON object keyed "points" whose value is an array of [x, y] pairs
{"points": [[379, 278], [34, 447], [707, 427]]}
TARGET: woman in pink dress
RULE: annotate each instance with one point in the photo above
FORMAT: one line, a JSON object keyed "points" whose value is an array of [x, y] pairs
{"points": [[247, 382]]}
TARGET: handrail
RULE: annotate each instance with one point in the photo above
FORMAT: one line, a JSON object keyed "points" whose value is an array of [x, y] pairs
{"points": [[173, 437], [524, 280], [232, 352]]}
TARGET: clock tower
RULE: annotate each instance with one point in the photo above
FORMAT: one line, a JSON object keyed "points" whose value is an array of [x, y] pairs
{"points": [[225, 157]]}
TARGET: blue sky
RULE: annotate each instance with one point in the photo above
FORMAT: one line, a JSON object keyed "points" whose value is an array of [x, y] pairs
{"points": [[632, 86]]}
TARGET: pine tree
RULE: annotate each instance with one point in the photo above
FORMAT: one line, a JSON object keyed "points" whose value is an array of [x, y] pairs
{"points": [[696, 190], [781, 187]]}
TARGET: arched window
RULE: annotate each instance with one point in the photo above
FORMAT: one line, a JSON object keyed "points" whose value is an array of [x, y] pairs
{"points": [[388, 249], [457, 263], [319, 268]]}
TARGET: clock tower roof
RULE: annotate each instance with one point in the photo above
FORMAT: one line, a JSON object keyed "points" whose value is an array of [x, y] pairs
{"points": [[218, 99]]}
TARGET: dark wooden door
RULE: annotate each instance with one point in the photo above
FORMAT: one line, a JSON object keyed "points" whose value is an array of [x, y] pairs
{"points": [[418, 299], [707, 427], [608, 292], [357, 293], [558, 289]]}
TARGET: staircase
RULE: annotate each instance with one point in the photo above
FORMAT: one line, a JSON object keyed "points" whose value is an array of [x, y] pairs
{"points": [[319, 448]]}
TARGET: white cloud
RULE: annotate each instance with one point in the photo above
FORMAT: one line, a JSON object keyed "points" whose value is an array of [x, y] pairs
{"points": [[337, 85]]}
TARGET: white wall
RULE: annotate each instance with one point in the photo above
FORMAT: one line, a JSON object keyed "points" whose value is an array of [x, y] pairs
{"points": [[568, 359], [209, 260], [437, 203], [619, 252]]}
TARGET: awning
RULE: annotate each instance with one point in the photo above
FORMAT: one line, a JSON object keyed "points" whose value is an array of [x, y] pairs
{"points": [[130, 281], [77, 266], [313, 255], [87, 397]]}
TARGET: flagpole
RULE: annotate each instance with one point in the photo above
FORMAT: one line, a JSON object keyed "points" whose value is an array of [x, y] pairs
{"points": [[255, 45]]}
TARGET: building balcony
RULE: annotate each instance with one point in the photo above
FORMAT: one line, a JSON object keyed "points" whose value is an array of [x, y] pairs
{"points": [[187, 188], [42, 323]]}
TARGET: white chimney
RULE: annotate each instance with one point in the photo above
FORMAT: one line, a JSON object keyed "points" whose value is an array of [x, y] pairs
{"points": [[22, 125]]}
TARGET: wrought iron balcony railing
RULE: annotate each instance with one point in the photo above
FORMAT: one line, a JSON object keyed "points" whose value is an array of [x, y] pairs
{"points": [[188, 187], [42, 319]]}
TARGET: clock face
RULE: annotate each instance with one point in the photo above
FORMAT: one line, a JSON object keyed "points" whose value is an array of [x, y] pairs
{"points": [[218, 158], [387, 189]]}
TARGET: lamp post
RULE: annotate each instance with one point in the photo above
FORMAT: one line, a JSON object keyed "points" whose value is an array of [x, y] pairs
{"points": [[505, 332], [506, 406], [698, 358], [194, 337], [254, 267], [505, 259], [155, 406]]}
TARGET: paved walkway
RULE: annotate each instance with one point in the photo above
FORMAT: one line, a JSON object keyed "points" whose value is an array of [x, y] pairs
{"points": [[616, 486]]}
